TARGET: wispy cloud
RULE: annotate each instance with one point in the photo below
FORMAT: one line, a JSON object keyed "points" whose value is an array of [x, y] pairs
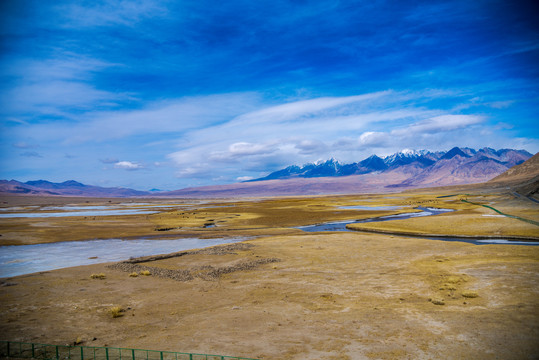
{"points": [[306, 131], [31, 154], [443, 123], [24, 145], [109, 160], [221, 93], [110, 13]]}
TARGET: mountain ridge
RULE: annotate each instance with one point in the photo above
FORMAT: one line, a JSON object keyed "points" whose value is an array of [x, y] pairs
{"points": [[419, 159], [401, 171], [66, 188]]}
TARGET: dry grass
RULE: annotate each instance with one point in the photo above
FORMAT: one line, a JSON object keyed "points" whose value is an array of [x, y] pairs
{"points": [[116, 311], [470, 294], [145, 273], [370, 290], [277, 216], [100, 276], [340, 295]]}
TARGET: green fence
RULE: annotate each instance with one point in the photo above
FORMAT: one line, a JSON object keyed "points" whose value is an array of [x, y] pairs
{"points": [[20, 350]]}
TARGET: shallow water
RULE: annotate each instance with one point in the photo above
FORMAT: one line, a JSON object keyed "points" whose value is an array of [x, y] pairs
{"points": [[366, 207], [80, 213], [425, 211], [94, 210], [341, 225], [25, 259]]}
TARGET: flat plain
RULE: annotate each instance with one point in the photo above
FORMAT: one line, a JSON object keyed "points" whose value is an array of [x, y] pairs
{"points": [[381, 293]]}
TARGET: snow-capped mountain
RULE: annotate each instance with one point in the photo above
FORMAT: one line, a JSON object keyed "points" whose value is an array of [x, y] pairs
{"points": [[458, 165], [407, 169]]}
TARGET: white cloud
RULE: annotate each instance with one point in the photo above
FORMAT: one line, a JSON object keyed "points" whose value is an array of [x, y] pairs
{"points": [[307, 147], [298, 132], [373, 138], [299, 109], [196, 171], [246, 149], [231, 136], [107, 13], [438, 124], [54, 86], [51, 97], [244, 178], [178, 116], [128, 165]]}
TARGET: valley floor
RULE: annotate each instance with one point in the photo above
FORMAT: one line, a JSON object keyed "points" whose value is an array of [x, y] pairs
{"points": [[287, 294]]}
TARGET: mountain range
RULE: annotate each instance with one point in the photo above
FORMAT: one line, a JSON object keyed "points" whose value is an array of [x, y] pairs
{"points": [[407, 169], [456, 166], [66, 188]]}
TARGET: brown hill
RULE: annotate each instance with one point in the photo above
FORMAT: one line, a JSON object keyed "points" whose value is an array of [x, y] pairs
{"points": [[525, 171], [523, 178]]}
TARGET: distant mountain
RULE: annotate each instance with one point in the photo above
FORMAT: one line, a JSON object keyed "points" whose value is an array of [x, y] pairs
{"points": [[408, 169], [456, 166], [405, 170], [67, 188]]}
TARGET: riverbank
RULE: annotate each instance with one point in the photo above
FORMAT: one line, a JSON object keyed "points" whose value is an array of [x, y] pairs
{"points": [[289, 294], [264, 217], [345, 296]]}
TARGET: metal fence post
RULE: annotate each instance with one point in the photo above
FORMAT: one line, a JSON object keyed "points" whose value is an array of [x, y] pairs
{"points": [[8, 349], [161, 355], [81, 353], [107, 353], [133, 353], [33, 350], [57, 354]]}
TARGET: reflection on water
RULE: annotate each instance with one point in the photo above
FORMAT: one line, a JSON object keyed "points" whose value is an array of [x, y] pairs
{"points": [[25, 259]]}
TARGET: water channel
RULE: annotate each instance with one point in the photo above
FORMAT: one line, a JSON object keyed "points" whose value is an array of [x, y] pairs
{"points": [[25, 259], [425, 211]]}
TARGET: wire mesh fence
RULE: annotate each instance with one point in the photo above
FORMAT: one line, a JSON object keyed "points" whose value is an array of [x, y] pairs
{"points": [[21, 350]]}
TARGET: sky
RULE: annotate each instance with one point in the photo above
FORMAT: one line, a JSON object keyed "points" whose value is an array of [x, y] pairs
{"points": [[172, 94]]}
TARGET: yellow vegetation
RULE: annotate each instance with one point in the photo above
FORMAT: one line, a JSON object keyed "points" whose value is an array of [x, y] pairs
{"points": [[116, 311]]}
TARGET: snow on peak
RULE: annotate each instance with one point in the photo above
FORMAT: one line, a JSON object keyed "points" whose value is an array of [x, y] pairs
{"points": [[408, 152], [411, 152]]}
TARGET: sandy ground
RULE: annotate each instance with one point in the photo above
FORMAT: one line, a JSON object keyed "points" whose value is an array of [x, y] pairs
{"points": [[349, 295]]}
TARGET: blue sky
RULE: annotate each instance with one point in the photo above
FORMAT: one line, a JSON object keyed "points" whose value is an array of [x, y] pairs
{"points": [[171, 94]]}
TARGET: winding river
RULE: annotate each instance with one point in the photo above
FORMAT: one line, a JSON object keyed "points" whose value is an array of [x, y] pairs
{"points": [[425, 211]]}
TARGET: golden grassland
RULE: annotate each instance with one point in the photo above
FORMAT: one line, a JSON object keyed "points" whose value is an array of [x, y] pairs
{"points": [[349, 295]]}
